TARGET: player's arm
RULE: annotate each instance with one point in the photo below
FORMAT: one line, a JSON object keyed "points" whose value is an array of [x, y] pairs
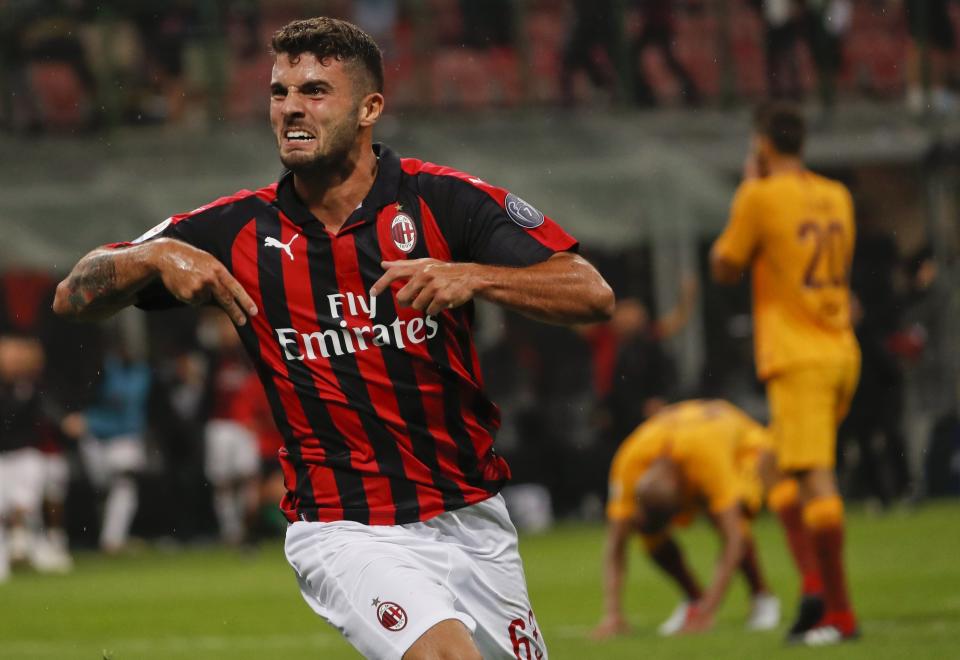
{"points": [[723, 270], [564, 288], [614, 576], [729, 524], [734, 249], [108, 279], [674, 321]]}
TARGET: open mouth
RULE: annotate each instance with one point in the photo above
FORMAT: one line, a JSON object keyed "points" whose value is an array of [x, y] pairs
{"points": [[298, 136]]}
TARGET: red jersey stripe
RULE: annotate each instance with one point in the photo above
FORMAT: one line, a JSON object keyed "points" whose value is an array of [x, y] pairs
{"points": [[549, 234], [373, 370], [429, 381], [301, 303], [246, 269]]}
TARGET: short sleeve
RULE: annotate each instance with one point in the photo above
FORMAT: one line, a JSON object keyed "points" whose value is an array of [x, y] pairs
{"points": [[210, 228], [187, 227], [621, 504], [490, 225], [739, 240], [155, 296]]}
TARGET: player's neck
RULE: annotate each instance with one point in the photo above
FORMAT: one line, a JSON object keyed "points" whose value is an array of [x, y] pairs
{"points": [[785, 165], [333, 196]]}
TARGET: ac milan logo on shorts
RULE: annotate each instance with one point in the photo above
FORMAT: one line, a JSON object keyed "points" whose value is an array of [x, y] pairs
{"points": [[392, 616], [403, 232]]}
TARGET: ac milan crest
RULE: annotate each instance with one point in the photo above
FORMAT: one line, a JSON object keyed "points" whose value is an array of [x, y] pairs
{"points": [[403, 232], [392, 616]]}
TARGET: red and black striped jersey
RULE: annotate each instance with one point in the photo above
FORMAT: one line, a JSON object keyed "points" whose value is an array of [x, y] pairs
{"points": [[382, 408]]}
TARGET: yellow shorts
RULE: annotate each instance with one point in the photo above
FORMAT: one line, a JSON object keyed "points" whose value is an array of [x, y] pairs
{"points": [[806, 407]]}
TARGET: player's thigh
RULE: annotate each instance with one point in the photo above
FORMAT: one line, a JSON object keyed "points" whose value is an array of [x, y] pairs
{"points": [[246, 459], [447, 639], [381, 592], [94, 455], [490, 583], [24, 473], [230, 452], [56, 477], [803, 409], [847, 379], [126, 455]]}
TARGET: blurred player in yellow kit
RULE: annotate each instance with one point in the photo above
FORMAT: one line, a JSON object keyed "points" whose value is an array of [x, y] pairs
{"points": [[697, 455], [795, 230]]}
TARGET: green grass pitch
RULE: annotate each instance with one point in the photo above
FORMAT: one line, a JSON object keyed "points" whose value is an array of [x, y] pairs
{"points": [[211, 603]]}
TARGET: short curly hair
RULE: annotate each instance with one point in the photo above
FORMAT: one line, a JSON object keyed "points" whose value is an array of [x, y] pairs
{"points": [[326, 37]]}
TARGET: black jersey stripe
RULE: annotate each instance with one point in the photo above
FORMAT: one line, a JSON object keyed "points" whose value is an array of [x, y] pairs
{"points": [[452, 408], [247, 270], [401, 372], [334, 270], [350, 488], [248, 336]]}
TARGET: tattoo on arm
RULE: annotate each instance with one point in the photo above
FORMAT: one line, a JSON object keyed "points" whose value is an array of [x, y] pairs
{"points": [[94, 283]]}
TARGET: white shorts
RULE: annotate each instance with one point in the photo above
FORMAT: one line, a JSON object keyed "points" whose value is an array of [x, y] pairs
{"points": [[231, 452], [21, 480], [56, 477], [106, 459], [384, 586]]}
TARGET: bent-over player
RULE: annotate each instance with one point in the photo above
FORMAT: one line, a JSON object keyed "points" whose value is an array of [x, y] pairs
{"points": [[697, 455]]}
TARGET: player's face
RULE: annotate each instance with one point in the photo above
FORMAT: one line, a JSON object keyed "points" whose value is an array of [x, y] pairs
{"points": [[314, 111]]}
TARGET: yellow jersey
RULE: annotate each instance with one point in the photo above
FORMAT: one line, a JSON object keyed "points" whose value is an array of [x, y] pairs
{"points": [[797, 231], [714, 444]]}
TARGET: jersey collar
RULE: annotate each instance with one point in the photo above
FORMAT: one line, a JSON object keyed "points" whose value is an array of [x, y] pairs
{"points": [[384, 191]]}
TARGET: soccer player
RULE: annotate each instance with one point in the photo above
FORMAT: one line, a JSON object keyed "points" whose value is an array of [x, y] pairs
{"points": [[113, 443], [351, 282], [795, 230], [697, 454], [231, 450], [23, 417]]}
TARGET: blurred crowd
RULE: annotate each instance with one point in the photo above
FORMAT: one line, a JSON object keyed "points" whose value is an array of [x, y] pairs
{"points": [[73, 65], [155, 426], [126, 430]]}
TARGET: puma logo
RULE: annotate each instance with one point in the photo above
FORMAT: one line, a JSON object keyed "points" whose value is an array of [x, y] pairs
{"points": [[270, 241]]}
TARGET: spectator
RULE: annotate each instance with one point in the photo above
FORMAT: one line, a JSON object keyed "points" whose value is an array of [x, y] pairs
{"points": [[593, 45], [827, 22], [932, 31], [61, 80], [875, 421], [232, 453], [178, 411], [783, 22], [165, 34], [658, 32], [25, 421], [642, 378], [113, 442]]}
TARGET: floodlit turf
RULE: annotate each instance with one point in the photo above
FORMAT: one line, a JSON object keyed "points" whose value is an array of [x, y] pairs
{"points": [[211, 603]]}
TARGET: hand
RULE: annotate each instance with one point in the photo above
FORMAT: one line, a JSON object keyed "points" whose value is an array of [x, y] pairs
{"points": [[699, 619], [197, 277], [611, 626], [74, 425], [432, 285]]}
